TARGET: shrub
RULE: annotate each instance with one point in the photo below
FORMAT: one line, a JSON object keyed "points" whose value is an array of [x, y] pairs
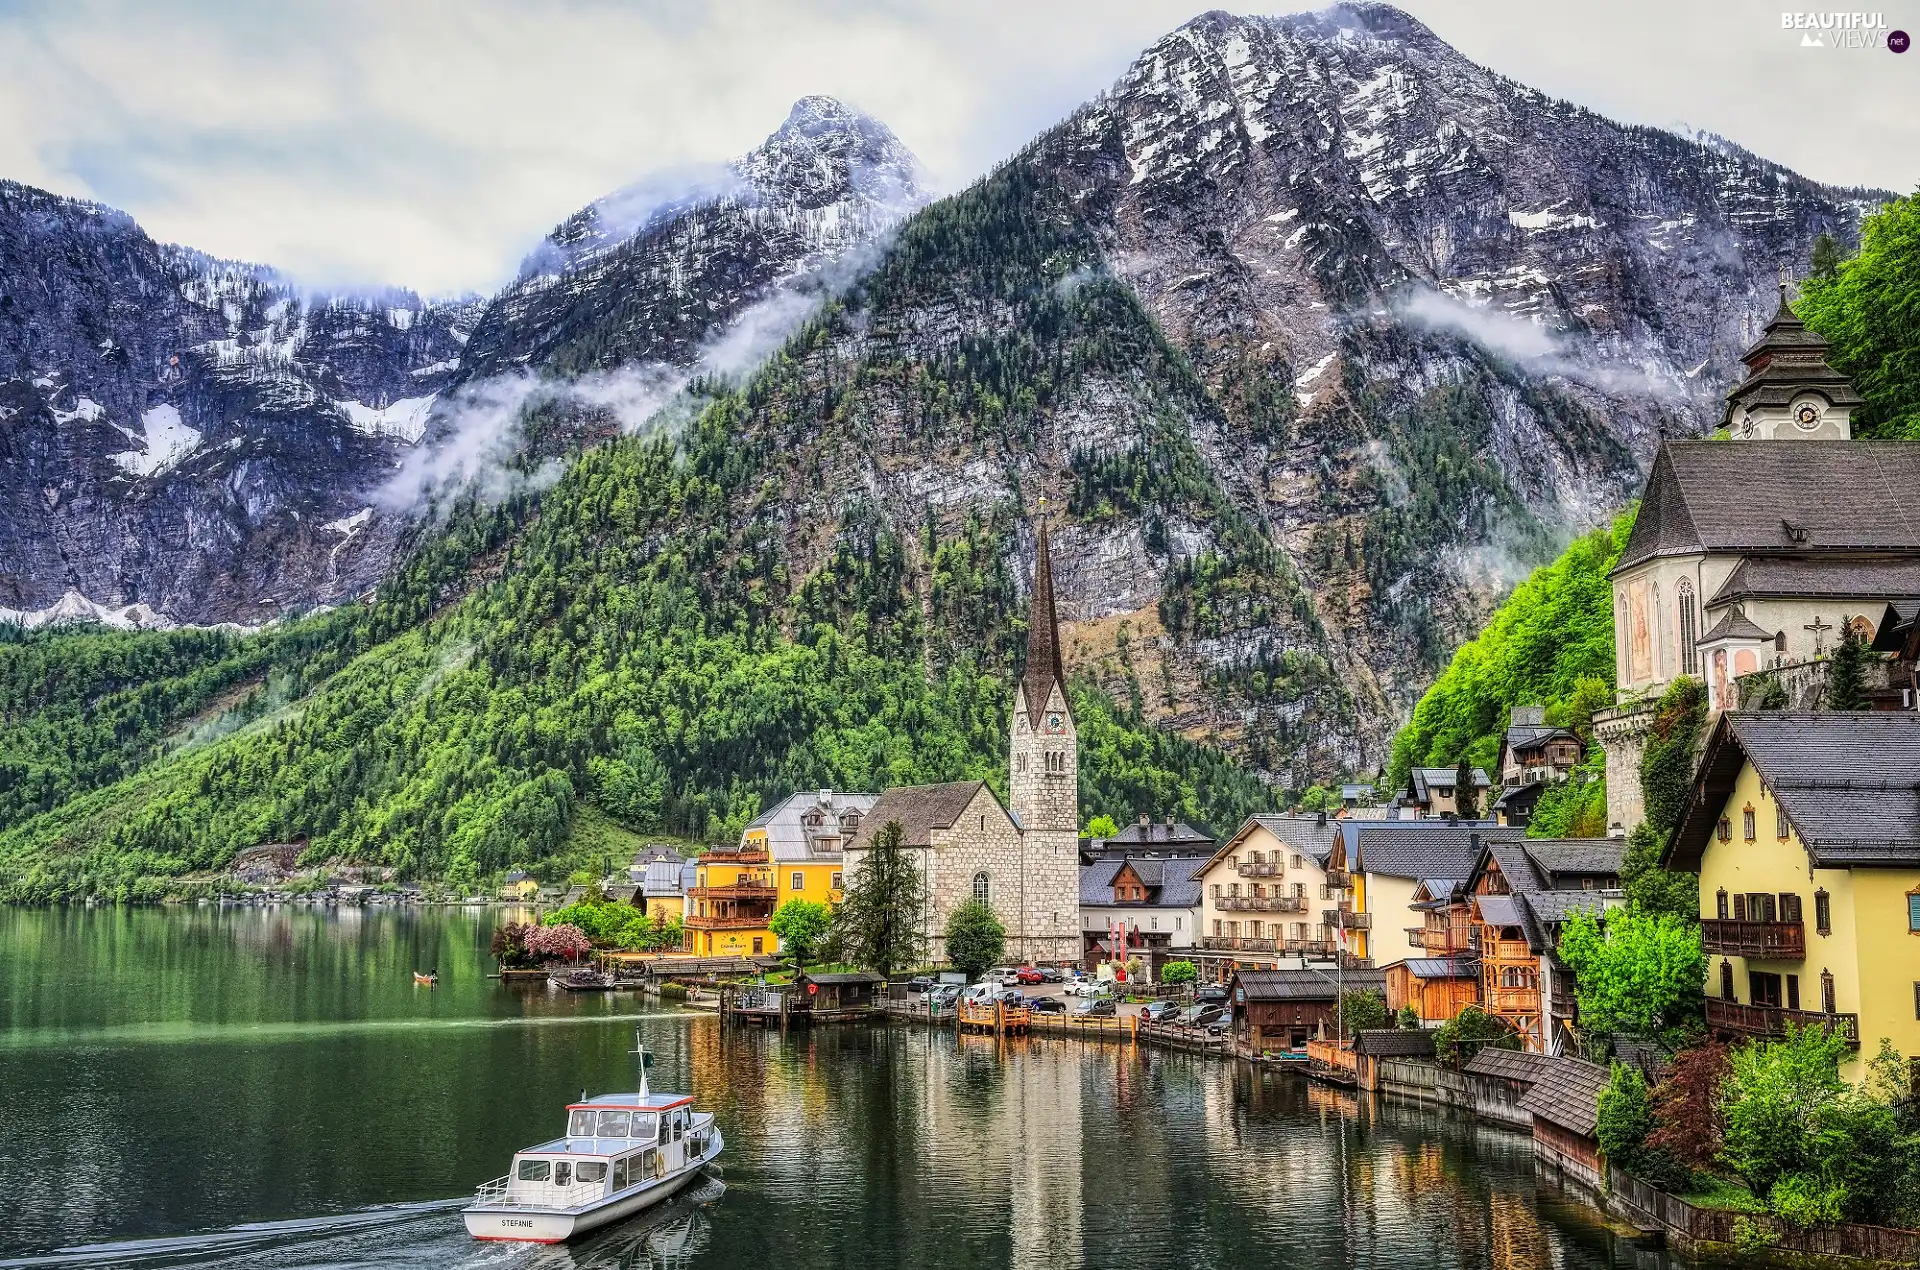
{"points": [[1363, 1009], [1666, 767], [1626, 1123], [1641, 974], [1686, 1106], [1179, 972], [1408, 1019], [564, 940], [1467, 1033]]}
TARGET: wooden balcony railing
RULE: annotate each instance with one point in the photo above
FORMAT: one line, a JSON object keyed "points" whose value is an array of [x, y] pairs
{"points": [[734, 857], [729, 921], [1769, 1020], [1440, 943], [1258, 869], [1512, 1000], [736, 891], [1262, 903], [1237, 943], [1339, 877], [1785, 941], [1348, 918]]}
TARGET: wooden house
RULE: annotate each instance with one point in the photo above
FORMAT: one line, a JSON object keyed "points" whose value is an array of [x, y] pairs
{"points": [[1284, 1009], [837, 992], [1436, 987], [1565, 1105]]}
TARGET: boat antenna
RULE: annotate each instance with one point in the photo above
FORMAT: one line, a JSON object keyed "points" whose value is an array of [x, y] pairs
{"points": [[646, 1061]]}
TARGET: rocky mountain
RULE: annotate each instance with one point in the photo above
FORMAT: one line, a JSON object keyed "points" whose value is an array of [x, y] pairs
{"points": [[1320, 334], [196, 440]]}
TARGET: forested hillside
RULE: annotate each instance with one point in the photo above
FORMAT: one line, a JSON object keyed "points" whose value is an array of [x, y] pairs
{"points": [[1869, 306]]}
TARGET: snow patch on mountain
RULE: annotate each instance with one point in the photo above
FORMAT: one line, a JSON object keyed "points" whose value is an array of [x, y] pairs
{"points": [[74, 609], [165, 440], [405, 419]]}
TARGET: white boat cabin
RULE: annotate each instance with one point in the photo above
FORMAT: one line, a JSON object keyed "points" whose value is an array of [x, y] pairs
{"points": [[614, 1142]]}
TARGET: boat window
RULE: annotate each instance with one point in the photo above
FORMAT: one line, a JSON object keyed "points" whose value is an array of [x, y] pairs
{"points": [[678, 1124], [562, 1173], [580, 1124], [644, 1125], [591, 1170], [665, 1132], [620, 1178], [535, 1170], [614, 1124], [653, 1163]]}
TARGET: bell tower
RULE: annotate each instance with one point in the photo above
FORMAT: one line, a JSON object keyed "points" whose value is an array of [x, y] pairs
{"points": [[1044, 761]]}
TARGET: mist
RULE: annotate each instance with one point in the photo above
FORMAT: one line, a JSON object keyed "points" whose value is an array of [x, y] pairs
{"points": [[1530, 346]]}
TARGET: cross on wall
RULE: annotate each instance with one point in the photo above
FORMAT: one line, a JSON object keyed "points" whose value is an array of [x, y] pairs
{"points": [[1818, 627]]}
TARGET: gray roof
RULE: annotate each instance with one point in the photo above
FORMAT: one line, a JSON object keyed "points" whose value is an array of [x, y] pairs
{"points": [[1440, 968], [1793, 498], [1420, 848], [920, 809], [1423, 782], [1500, 1064], [1567, 1092], [1788, 577], [664, 877], [1169, 881], [1578, 856], [1309, 835], [843, 976], [1308, 985], [1557, 906], [1850, 783], [1499, 910], [1386, 1042], [791, 840], [1159, 834], [1526, 736], [1734, 624]]}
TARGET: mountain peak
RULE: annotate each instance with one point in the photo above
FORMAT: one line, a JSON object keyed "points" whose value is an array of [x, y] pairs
{"points": [[828, 151]]}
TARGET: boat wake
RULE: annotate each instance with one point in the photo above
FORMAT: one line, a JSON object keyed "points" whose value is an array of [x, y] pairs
{"points": [[669, 1237]]}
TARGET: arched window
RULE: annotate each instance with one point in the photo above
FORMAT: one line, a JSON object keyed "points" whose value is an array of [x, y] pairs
{"points": [[1689, 629], [982, 887]]}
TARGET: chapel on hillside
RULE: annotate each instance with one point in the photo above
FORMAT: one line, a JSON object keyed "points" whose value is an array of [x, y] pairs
{"points": [[1022, 858], [1748, 555]]}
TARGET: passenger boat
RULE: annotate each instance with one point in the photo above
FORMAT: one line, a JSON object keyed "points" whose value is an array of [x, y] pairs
{"points": [[581, 979], [621, 1153]]}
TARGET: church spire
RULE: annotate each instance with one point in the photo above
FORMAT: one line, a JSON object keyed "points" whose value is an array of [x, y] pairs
{"points": [[1043, 631]]}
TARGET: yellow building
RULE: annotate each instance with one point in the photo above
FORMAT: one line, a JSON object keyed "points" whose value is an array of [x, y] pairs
{"points": [[792, 851], [519, 886], [1805, 829]]}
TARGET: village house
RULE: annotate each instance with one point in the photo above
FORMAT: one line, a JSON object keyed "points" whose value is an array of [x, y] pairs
{"points": [[1746, 558], [1149, 836], [1799, 818], [1430, 792], [1383, 865], [1023, 859], [1564, 1105], [1153, 898], [1533, 756], [1518, 895], [1281, 1010], [520, 887], [1262, 896], [793, 850], [664, 883]]}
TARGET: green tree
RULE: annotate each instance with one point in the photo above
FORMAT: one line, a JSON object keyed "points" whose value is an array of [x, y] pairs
{"points": [[1666, 765], [1458, 1039], [1847, 673], [1466, 798], [1823, 261], [976, 939], [1641, 973], [877, 925], [1650, 888], [1869, 306], [1625, 1124], [1363, 1009], [801, 926], [1407, 1019], [1179, 972], [1102, 827]]}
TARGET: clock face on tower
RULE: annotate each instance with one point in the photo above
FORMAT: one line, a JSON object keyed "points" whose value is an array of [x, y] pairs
{"points": [[1055, 724], [1807, 415]]}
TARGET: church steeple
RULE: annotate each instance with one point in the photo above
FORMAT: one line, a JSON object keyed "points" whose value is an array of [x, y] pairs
{"points": [[1790, 392], [1043, 632]]}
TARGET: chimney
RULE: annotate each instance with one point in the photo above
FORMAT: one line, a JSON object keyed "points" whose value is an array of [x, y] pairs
{"points": [[1145, 820], [1473, 840], [1320, 819], [826, 797]]}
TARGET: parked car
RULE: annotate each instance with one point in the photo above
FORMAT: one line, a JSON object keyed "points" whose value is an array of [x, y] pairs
{"points": [[920, 983], [1160, 1011], [1027, 974], [1001, 974], [1204, 1015], [1210, 994], [1100, 1008], [1052, 974], [944, 995], [1047, 1005], [1085, 988]]}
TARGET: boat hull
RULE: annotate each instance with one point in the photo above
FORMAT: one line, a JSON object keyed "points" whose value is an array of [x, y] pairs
{"points": [[500, 1223]]}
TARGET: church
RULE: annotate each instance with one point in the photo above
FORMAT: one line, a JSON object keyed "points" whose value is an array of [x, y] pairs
{"points": [[1749, 554], [1022, 858]]}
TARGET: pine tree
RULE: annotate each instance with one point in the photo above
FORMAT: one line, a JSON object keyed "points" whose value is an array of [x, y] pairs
{"points": [[877, 925], [1466, 799], [1824, 260], [1847, 678]]}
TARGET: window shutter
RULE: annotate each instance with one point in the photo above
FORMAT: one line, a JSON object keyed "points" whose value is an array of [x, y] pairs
{"points": [[1793, 992], [1739, 908], [1913, 912], [1826, 991], [1720, 904], [1726, 981], [1789, 907], [1823, 912]]}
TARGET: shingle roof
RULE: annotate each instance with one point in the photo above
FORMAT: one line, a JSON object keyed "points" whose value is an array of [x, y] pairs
{"points": [[1850, 783], [920, 809], [1309, 835], [1567, 1093], [1557, 906], [788, 837], [1042, 671], [1770, 577], [1383, 1042], [1307, 985], [1734, 624], [1593, 856], [843, 976], [1502, 1064], [1740, 497], [1499, 910], [1421, 849], [1159, 834], [1169, 880], [1526, 738]]}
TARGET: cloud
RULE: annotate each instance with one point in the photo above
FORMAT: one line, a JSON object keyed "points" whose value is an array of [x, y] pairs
{"points": [[1531, 346]]}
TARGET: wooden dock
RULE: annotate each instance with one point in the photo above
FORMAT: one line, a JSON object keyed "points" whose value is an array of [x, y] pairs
{"points": [[1124, 1031]]}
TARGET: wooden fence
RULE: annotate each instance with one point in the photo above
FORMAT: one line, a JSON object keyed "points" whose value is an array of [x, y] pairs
{"points": [[1634, 1199]]}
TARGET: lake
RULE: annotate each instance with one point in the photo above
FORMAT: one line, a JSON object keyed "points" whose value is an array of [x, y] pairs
{"points": [[268, 1088]]}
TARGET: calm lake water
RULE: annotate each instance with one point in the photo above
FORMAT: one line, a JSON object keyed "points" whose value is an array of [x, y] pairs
{"points": [[267, 1088]]}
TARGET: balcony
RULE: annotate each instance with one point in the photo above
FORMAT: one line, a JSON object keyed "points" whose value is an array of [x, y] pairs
{"points": [[1770, 1020], [1446, 941], [1782, 941], [736, 891], [1258, 869], [1339, 877], [734, 857], [1512, 1000], [1347, 918], [729, 921], [1235, 943]]}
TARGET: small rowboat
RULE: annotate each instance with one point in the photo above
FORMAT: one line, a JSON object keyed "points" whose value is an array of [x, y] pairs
{"points": [[428, 980]]}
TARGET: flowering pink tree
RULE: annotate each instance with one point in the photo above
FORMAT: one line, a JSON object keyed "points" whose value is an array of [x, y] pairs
{"points": [[565, 940]]}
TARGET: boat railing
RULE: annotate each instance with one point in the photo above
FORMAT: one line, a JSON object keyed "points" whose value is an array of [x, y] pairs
{"points": [[499, 1193]]}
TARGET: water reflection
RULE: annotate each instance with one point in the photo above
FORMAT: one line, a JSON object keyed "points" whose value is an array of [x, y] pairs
{"points": [[297, 1101]]}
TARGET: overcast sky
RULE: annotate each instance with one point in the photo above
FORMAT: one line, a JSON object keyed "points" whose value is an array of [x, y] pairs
{"points": [[429, 143]]}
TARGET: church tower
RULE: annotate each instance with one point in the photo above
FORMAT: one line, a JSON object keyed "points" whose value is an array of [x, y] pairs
{"points": [[1790, 392], [1043, 780]]}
